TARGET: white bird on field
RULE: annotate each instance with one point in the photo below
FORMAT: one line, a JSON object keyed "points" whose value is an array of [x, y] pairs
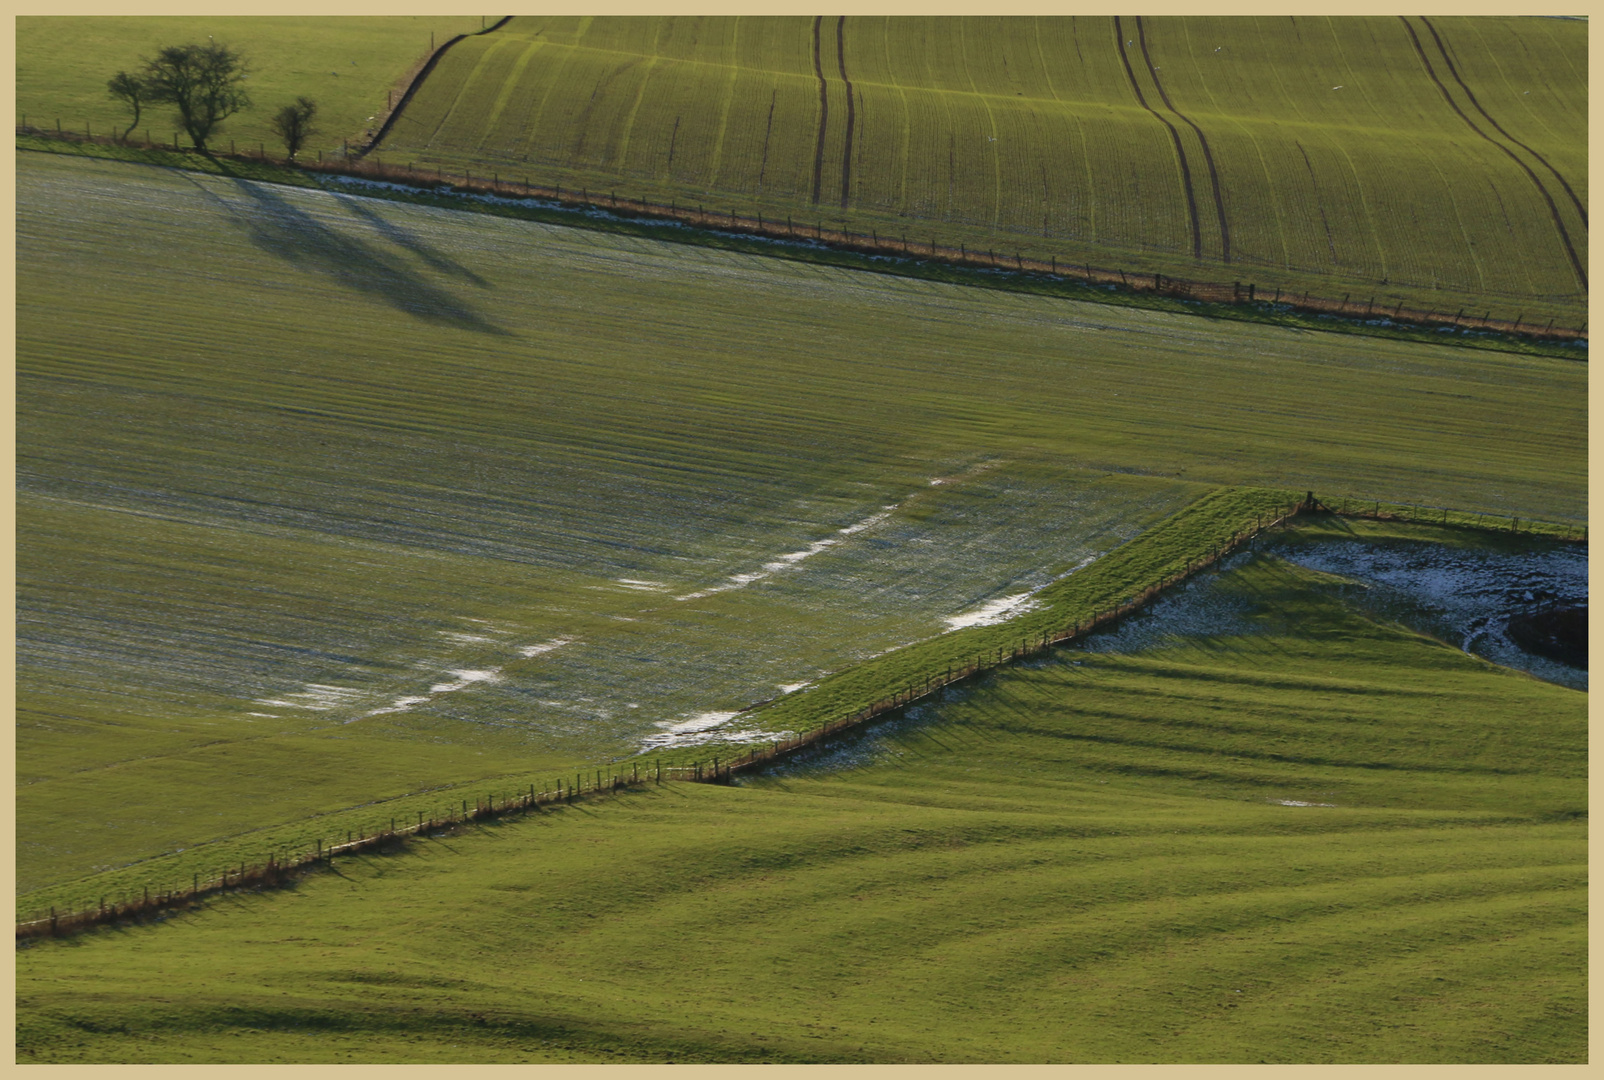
{"points": [[1338, 87]]}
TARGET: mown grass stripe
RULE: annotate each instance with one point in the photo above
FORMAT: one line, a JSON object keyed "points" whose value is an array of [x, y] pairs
{"points": [[965, 881]]}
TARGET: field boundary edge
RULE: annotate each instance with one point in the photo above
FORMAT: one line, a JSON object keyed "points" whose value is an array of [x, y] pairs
{"points": [[1233, 301], [275, 872]]}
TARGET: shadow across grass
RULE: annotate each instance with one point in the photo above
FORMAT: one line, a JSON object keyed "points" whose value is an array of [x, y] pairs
{"points": [[279, 228], [276, 226]]}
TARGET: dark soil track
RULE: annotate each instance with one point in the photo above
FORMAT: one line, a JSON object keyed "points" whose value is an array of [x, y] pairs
{"points": [[1553, 210], [1208, 155], [824, 111], [846, 153], [1454, 71], [1175, 136]]}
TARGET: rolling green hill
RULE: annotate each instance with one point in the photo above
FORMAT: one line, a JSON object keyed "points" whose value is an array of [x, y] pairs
{"points": [[326, 500], [1307, 837], [334, 510], [1440, 162]]}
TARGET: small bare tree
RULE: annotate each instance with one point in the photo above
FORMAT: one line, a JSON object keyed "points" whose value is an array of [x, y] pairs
{"points": [[202, 82], [293, 123], [131, 91]]}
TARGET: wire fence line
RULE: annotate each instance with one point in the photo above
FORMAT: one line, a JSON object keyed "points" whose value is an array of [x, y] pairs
{"points": [[360, 163], [282, 866], [1380, 510], [718, 772]]}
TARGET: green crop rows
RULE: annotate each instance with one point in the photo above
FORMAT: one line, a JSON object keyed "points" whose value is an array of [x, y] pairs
{"points": [[1317, 839], [1439, 162]]}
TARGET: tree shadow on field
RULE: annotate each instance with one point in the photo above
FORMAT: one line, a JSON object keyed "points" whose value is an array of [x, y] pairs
{"points": [[287, 232], [403, 238]]}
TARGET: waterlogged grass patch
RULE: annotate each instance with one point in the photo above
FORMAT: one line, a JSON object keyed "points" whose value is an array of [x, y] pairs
{"points": [[380, 445], [1327, 839]]}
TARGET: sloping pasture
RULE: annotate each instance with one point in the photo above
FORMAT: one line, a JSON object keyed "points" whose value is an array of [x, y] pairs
{"points": [[1301, 836], [326, 500], [1433, 161], [346, 64]]}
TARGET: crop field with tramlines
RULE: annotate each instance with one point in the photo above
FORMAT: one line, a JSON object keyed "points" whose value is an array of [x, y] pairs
{"points": [[392, 562], [1438, 161]]}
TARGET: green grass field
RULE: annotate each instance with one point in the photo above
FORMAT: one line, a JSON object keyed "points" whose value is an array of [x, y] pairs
{"points": [[1310, 837], [456, 196], [1435, 161], [336, 511], [416, 508], [346, 64]]}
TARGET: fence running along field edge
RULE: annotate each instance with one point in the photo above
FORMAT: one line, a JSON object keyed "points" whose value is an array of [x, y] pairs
{"points": [[1236, 293], [718, 772], [275, 871], [408, 85]]}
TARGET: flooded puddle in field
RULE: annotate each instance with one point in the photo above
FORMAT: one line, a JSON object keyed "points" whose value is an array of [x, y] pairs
{"points": [[791, 559], [1485, 601], [317, 697], [1525, 610], [465, 678], [704, 728], [992, 612], [528, 651]]}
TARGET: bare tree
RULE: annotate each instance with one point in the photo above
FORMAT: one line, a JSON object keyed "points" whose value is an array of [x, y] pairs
{"points": [[202, 82], [294, 124], [131, 91]]}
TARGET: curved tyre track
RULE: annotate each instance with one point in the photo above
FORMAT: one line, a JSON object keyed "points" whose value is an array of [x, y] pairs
{"points": [[1553, 210], [1208, 155], [846, 154], [1454, 71], [824, 112], [1175, 136]]}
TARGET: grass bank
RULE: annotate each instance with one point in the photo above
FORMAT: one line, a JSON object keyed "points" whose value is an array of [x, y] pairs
{"points": [[1312, 837]]}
